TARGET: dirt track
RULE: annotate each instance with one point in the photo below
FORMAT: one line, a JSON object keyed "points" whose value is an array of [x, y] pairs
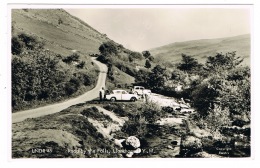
{"points": [[54, 108]]}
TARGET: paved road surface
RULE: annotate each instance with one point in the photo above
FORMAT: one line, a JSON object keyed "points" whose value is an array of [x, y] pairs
{"points": [[54, 108]]}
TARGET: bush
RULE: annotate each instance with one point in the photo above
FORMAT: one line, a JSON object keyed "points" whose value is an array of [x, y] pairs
{"points": [[108, 48], [147, 64], [151, 115], [60, 21], [151, 112], [30, 42], [71, 58], [81, 65], [94, 113], [17, 46], [129, 69], [102, 59], [151, 58], [117, 108], [88, 80], [135, 128], [136, 55], [221, 62], [38, 76], [203, 98], [23, 42], [188, 63], [190, 145]]}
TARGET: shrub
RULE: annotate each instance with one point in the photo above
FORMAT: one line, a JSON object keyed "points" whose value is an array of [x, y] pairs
{"points": [[60, 21], [102, 59], [136, 55], [151, 58], [108, 48], [71, 87], [117, 108], [135, 128], [147, 64], [81, 64], [88, 79], [203, 98], [188, 63], [146, 54], [221, 62], [217, 118], [30, 42], [190, 145], [94, 113], [71, 58], [17, 46]]}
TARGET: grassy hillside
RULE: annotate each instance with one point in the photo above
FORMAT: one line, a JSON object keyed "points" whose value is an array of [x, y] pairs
{"points": [[60, 134], [200, 49], [51, 57], [60, 31]]}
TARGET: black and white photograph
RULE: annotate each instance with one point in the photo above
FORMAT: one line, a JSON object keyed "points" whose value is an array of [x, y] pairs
{"points": [[131, 81]]}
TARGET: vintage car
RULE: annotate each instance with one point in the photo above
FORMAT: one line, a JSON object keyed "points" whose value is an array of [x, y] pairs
{"points": [[140, 90], [121, 95]]}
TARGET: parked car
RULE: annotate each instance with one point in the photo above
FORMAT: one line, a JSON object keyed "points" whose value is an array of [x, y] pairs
{"points": [[140, 90], [121, 95]]}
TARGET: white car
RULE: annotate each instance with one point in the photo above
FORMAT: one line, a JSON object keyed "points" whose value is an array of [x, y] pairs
{"points": [[121, 95], [140, 90]]}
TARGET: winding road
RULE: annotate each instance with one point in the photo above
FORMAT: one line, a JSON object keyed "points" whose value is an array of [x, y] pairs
{"points": [[54, 108]]}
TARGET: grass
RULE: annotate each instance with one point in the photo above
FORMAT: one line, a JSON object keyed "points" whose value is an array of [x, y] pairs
{"points": [[94, 113], [82, 89], [200, 49], [61, 39], [60, 132]]}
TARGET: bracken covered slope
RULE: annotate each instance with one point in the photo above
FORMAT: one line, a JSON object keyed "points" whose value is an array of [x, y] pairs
{"points": [[201, 49], [61, 32]]}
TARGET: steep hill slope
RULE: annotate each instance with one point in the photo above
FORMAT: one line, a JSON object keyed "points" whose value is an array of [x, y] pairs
{"points": [[50, 57], [60, 31], [200, 49]]}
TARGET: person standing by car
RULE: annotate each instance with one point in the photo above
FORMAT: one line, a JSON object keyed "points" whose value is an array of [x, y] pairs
{"points": [[102, 94]]}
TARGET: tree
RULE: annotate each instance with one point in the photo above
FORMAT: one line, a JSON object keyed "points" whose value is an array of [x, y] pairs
{"points": [[151, 58], [110, 72], [108, 48], [228, 89], [188, 63], [60, 21], [146, 54], [147, 64], [203, 97], [136, 55], [157, 78], [222, 62], [130, 59], [142, 77]]}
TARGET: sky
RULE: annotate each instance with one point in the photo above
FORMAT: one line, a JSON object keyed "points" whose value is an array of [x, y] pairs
{"points": [[141, 28]]}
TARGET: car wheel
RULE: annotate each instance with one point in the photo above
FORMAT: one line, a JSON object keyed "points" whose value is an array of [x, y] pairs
{"points": [[133, 99], [113, 99]]}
